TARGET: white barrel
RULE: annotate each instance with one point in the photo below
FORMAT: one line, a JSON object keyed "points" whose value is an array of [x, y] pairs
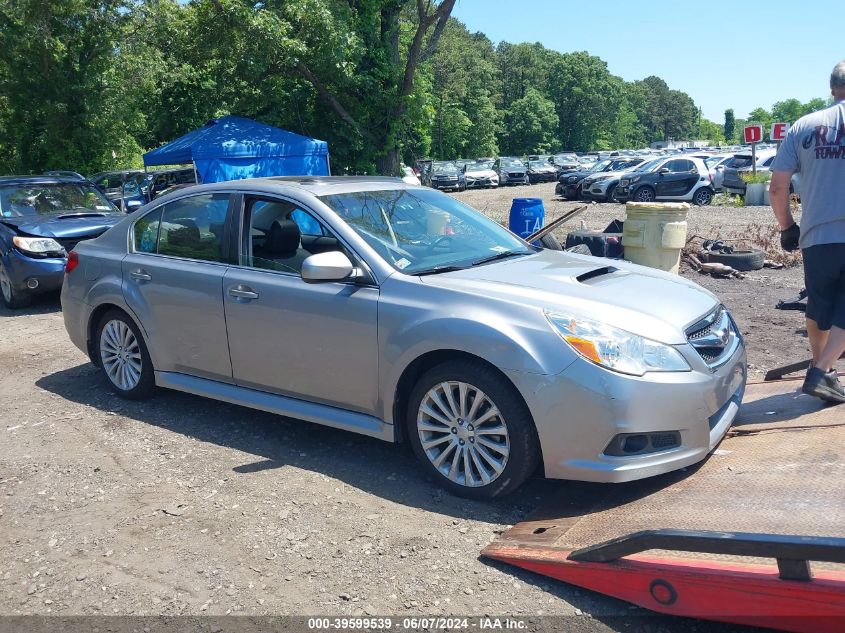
{"points": [[655, 233]]}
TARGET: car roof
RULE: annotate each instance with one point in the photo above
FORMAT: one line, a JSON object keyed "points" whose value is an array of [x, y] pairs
{"points": [[315, 185], [40, 180]]}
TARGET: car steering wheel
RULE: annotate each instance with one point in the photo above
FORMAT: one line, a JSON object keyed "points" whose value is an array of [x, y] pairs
{"points": [[443, 240]]}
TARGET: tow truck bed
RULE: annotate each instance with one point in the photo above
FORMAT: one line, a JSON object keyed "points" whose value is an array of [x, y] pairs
{"points": [[779, 471]]}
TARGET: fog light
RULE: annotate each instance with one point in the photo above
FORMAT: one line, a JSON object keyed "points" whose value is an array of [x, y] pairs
{"points": [[626, 444], [32, 284]]}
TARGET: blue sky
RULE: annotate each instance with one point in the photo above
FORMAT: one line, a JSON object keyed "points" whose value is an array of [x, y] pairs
{"points": [[741, 54]]}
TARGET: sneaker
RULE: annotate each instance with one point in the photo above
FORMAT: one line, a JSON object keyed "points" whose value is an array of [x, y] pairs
{"points": [[824, 385]]}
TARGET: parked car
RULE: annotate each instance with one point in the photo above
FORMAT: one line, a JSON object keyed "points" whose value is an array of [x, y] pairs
{"points": [[446, 175], [64, 173], [41, 219], [565, 162], [481, 174], [676, 178], [742, 164], [121, 188], [569, 184], [511, 171], [154, 182], [398, 312], [541, 171], [716, 164], [601, 187]]}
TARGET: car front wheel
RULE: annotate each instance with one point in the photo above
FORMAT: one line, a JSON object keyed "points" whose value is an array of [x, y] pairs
{"points": [[645, 194], [123, 357], [11, 298], [471, 430]]}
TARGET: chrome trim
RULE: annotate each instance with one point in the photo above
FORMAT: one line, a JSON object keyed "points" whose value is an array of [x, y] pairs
{"points": [[715, 337]]}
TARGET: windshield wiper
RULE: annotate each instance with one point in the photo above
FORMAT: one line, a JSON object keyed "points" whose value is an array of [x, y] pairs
{"points": [[439, 269], [498, 256]]}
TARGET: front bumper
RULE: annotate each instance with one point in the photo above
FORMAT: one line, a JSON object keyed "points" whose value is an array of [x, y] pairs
{"points": [[579, 411], [542, 177], [34, 275], [446, 184], [569, 190], [479, 183]]}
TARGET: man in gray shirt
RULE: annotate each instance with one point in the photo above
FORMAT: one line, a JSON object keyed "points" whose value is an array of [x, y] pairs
{"points": [[815, 147]]}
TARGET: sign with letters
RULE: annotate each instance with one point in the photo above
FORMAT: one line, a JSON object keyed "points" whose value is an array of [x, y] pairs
{"points": [[779, 131], [753, 133]]}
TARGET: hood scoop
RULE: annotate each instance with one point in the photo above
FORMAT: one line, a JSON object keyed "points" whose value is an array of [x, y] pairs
{"points": [[73, 216], [591, 276]]}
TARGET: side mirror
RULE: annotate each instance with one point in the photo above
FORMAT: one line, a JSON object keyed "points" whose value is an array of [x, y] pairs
{"points": [[663, 170], [331, 266], [132, 205]]}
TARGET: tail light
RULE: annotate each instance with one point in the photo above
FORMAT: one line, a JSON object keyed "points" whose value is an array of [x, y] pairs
{"points": [[72, 262]]}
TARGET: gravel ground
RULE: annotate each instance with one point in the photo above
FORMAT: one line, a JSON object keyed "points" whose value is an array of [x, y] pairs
{"points": [[184, 506]]}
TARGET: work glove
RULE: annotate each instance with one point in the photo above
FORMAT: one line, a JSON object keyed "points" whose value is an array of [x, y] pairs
{"points": [[789, 237]]}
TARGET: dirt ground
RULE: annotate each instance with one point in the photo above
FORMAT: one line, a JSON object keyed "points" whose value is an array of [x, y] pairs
{"points": [[184, 506]]}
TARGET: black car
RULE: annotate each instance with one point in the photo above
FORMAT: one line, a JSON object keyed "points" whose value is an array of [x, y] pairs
{"points": [[447, 175], [569, 183], [541, 171], [121, 187]]}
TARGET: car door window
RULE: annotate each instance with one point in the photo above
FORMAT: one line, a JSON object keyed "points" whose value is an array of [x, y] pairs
{"points": [[282, 235], [146, 232], [768, 161], [192, 228]]}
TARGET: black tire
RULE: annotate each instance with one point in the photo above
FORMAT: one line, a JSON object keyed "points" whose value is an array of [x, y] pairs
{"points": [[550, 242], [702, 197], [645, 194], [524, 446], [12, 299], [146, 383], [580, 249], [611, 194], [742, 261]]}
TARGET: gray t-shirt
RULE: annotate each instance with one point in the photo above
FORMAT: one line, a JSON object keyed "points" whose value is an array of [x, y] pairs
{"points": [[815, 147]]}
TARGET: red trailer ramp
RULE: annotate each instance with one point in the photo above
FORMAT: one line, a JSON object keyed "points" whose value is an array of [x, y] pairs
{"points": [[731, 539]]}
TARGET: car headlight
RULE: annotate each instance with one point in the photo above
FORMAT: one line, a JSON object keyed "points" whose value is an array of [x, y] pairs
{"points": [[616, 349], [38, 245]]}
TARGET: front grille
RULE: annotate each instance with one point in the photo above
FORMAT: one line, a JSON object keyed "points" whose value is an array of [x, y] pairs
{"points": [[514, 174], [715, 337]]}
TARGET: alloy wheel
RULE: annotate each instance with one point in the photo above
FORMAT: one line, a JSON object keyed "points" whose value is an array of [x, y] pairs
{"points": [[702, 197], [645, 195], [463, 434], [120, 354]]}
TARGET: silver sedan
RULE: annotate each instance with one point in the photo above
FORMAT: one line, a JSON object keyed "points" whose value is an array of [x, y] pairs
{"points": [[398, 312]]}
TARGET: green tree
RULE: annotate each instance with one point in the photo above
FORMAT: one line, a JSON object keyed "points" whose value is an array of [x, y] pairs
{"points": [[730, 125], [788, 111], [531, 124], [586, 97]]}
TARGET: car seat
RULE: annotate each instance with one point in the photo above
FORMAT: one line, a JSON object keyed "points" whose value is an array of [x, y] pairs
{"points": [[283, 245]]}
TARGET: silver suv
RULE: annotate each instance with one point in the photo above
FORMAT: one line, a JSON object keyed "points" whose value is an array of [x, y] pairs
{"points": [[398, 312]]}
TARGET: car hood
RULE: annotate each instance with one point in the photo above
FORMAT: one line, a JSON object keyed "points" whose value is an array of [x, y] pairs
{"points": [[64, 225], [481, 173], [609, 174], [645, 301], [542, 168], [578, 174]]}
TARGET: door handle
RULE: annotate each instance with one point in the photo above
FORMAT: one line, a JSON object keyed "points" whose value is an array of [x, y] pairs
{"points": [[141, 275], [243, 292]]}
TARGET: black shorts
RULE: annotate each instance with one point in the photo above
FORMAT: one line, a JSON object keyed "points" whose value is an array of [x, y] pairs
{"points": [[824, 276]]}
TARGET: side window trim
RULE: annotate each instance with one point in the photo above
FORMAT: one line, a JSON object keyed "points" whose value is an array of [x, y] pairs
{"points": [[231, 213]]}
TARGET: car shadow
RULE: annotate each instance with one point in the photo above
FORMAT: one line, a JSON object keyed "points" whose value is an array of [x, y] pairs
{"points": [[272, 441], [41, 304]]}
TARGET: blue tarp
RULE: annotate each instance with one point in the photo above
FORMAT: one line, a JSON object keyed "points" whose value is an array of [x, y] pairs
{"points": [[232, 148]]}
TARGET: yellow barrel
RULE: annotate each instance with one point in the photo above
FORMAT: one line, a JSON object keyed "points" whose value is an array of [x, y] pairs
{"points": [[655, 233]]}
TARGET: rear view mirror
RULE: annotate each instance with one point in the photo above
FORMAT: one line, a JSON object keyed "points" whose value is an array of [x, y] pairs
{"points": [[331, 266]]}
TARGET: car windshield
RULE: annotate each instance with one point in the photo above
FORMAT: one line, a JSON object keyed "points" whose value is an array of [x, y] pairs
{"points": [[422, 231], [445, 168], [46, 198], [480, 166], [602, 165], [650, 165], [538, 163], [512, 162]]}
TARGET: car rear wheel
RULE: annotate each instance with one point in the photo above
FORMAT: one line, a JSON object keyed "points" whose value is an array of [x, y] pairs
{"points": [[123, 357], [471, 430], [702, 197], [645, 194], [12, 299]]}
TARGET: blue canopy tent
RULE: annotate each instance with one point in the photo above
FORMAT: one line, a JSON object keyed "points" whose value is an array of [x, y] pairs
{"points": [[233, 148]]}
